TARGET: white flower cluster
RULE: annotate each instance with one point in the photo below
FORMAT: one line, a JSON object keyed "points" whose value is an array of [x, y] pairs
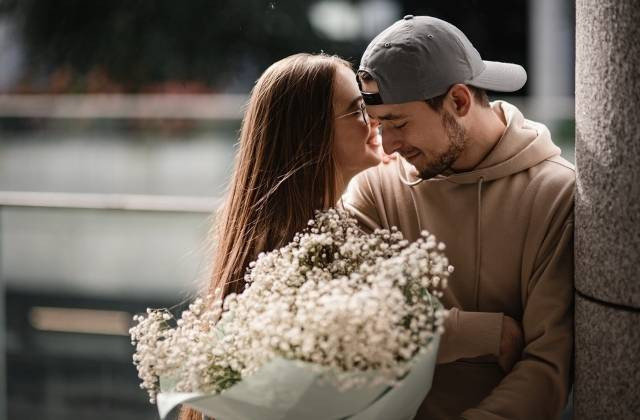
{"points": [[335, 297]]}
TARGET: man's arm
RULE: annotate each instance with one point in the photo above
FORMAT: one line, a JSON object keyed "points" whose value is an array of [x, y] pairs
{"points": [[473, 334], [538, 385]]}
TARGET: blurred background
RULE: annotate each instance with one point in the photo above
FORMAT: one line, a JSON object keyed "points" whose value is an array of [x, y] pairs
{"points": [[117, 128]]}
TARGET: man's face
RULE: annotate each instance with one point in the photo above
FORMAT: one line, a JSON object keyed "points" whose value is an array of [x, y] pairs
{"points": [[429, 140]]}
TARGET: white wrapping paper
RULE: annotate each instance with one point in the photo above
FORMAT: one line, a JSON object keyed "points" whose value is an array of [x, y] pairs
{"points": [[289, 390]]}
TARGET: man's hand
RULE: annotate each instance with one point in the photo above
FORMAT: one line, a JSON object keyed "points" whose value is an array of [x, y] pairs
{"points": [[511, 344]]}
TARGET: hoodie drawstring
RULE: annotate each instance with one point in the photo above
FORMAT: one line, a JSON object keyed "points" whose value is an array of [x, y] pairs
{"points": [[476, 288]]}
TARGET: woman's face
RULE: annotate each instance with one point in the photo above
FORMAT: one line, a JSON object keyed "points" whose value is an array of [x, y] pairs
{"points": [[356, 145]]}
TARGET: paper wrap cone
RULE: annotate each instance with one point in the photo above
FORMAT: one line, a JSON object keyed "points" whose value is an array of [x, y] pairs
{"points": [[290, 390]]}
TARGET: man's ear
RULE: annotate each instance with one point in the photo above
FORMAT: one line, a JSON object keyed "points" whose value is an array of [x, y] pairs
{"points": [[459, 97]]}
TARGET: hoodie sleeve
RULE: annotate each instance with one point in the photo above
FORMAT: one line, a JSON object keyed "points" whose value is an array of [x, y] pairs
{"points": [[466, 334], [538, 385], [470, 334]]}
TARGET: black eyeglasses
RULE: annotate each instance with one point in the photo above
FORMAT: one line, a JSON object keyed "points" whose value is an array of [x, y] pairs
{"points": [[362, 109]]}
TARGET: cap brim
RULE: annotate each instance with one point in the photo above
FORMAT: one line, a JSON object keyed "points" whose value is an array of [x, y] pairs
{"points": [[500, 77]]}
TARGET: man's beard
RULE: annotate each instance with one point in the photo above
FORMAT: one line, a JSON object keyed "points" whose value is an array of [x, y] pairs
{"points": [[457, 140]]}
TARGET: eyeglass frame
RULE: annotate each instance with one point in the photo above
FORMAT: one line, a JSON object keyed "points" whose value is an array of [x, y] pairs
{"points": [[362, 109]]}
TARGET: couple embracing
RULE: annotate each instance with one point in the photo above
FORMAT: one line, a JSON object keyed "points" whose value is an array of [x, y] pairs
{"points": [[480, 176]]}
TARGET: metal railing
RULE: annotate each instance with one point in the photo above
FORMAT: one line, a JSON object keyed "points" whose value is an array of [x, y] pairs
{"points": [[124, 106], [214, 107], [125, 202]]}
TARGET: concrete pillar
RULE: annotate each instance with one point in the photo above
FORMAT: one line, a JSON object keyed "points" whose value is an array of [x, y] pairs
{"points": [[607, 236]]}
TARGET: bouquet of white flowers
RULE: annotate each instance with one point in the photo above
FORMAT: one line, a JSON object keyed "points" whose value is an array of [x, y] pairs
{"points": [[336, 324]]}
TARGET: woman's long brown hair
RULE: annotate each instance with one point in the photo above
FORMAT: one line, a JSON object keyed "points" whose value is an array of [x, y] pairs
{"points": [[284, 168]]}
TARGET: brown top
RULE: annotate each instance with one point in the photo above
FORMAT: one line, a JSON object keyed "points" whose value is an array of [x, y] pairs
{"points": [[508, 227]]}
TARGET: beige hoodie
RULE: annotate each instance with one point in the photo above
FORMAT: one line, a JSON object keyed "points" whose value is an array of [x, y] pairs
{"points": [[508, 227]]}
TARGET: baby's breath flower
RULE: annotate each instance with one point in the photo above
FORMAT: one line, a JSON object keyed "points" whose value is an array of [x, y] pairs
{"points": [[335, 297]]}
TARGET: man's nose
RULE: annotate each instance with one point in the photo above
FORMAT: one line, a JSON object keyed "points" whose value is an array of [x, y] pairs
{"points": [[391, 142]]}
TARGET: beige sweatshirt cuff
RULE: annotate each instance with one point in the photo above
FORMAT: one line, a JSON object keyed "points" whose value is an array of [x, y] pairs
{"points": [[470, 334]]}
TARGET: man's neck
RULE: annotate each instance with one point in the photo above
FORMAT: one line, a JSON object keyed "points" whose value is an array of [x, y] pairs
{"points": [[483, 136]]}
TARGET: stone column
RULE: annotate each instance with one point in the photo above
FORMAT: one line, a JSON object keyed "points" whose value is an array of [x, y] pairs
{"points": [[607, 235]]}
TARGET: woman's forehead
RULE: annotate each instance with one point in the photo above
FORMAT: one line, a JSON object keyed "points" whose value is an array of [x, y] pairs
{"points": [[345, 86]]}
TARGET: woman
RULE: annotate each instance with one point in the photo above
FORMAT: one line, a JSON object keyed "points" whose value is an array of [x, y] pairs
{"points": [[305, 134]]}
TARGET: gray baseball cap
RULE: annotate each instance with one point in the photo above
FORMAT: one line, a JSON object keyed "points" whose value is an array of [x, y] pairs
{"points": [[420, 57]]}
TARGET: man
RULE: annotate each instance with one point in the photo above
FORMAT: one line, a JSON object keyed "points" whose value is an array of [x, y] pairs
{"points": [[492, 186]]}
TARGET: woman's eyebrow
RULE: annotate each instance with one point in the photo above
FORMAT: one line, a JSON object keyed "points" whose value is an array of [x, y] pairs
{"points": [[355, 101]]}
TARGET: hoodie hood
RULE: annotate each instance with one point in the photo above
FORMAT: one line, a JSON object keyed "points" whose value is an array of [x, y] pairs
{"points": [[523, 145]]}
